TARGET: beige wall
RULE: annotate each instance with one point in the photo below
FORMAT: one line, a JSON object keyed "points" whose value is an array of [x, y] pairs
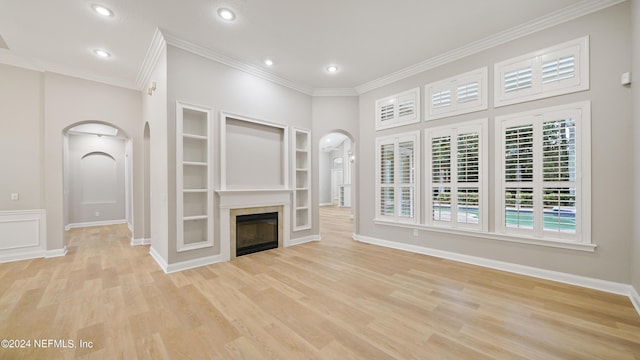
{"points": [[67, 101], [35, 109], [333, 114], [154, 109], [635, 19], [612, 174], [20, 138], [199, 81]]}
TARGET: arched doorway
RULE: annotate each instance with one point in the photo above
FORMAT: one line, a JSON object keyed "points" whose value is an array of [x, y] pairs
{"points": [[97, 168], [336, 176]]}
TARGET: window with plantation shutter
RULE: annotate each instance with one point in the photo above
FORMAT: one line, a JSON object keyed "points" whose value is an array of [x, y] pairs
{"points": [[397, 177], [457, 95], [543, 163], [456, 166], [556, 70], [399, 109]]}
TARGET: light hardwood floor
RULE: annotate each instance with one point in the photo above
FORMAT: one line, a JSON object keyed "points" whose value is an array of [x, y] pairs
{"points": [[333, 299]]}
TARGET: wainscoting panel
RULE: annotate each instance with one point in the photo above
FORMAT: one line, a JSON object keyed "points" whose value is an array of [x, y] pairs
{"points": [[23, 234]]}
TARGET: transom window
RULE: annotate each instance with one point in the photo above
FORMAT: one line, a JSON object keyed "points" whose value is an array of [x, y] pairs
{"points": [[457, 95], [556, 70]]}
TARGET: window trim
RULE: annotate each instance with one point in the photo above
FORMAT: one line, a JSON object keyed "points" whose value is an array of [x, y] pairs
{"points": [[457, 108], [481, 125], [398, 120], [579, 48], [396, 139], [583, 173]]}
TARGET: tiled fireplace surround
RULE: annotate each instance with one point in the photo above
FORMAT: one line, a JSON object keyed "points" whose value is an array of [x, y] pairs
{"points": [[244, 202]]}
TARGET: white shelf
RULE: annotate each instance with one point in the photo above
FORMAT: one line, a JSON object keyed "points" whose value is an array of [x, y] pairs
{"points": [[302, 180], [194, 177], [195, 217], [196, 137], [195, 163]]}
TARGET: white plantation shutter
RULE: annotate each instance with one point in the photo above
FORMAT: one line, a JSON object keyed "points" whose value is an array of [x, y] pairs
{"points": [[407, 106], [468, 92], [518, 153], [397, 157], [455, 158], [441, 177], [556, 70], [518, 79], [541, 157], [460, 94], [441, 99], [387, 110], [399, 109], [387, 179]]}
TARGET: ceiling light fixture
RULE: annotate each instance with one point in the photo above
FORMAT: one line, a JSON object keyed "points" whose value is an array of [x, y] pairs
{"points": [[226, 14], [101, 53], [102, 10], [332, 69], [268, 62]]}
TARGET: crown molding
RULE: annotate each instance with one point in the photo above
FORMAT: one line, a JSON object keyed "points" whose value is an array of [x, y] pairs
{"points": [[555, 18], [157, 46], [334, 92], [9, 58], [236, 64]]}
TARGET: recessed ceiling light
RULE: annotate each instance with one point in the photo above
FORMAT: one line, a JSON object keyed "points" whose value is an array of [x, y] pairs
{"points": [[268, 62], [226, 14], [101, 53], [332, 69], [102, 10]]}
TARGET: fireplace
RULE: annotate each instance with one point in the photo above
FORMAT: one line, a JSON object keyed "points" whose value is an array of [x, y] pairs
{"points": [[256, 232]]}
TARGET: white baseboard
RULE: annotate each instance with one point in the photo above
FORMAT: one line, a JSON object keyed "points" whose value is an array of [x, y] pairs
{"points": [[183, 265], [326, 204], [56, 252], [94, 223], [304, 239], [138, 242], [635, 298], [22, 255], [159, 260], [583, 281], [190, 264]]}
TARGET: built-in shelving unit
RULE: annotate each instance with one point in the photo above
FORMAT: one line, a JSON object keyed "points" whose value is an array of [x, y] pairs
{"points": [[344, 195], [302, 181], [194, 177]]}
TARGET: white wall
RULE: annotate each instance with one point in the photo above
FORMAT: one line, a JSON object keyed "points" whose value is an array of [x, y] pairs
{"points": [[611, 221]]}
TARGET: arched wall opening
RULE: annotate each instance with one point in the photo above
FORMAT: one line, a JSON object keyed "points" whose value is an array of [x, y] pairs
{"points": [[97, 175], [336, 171]]}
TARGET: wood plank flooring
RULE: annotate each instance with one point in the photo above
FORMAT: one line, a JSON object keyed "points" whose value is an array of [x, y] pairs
{"points": [[333, 299]]}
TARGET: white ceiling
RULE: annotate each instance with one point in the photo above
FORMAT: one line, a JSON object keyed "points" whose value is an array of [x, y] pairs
{"points": [[367, 39]]}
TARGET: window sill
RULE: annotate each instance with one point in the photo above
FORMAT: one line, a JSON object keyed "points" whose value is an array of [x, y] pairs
{"points": [[493, 236]]}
